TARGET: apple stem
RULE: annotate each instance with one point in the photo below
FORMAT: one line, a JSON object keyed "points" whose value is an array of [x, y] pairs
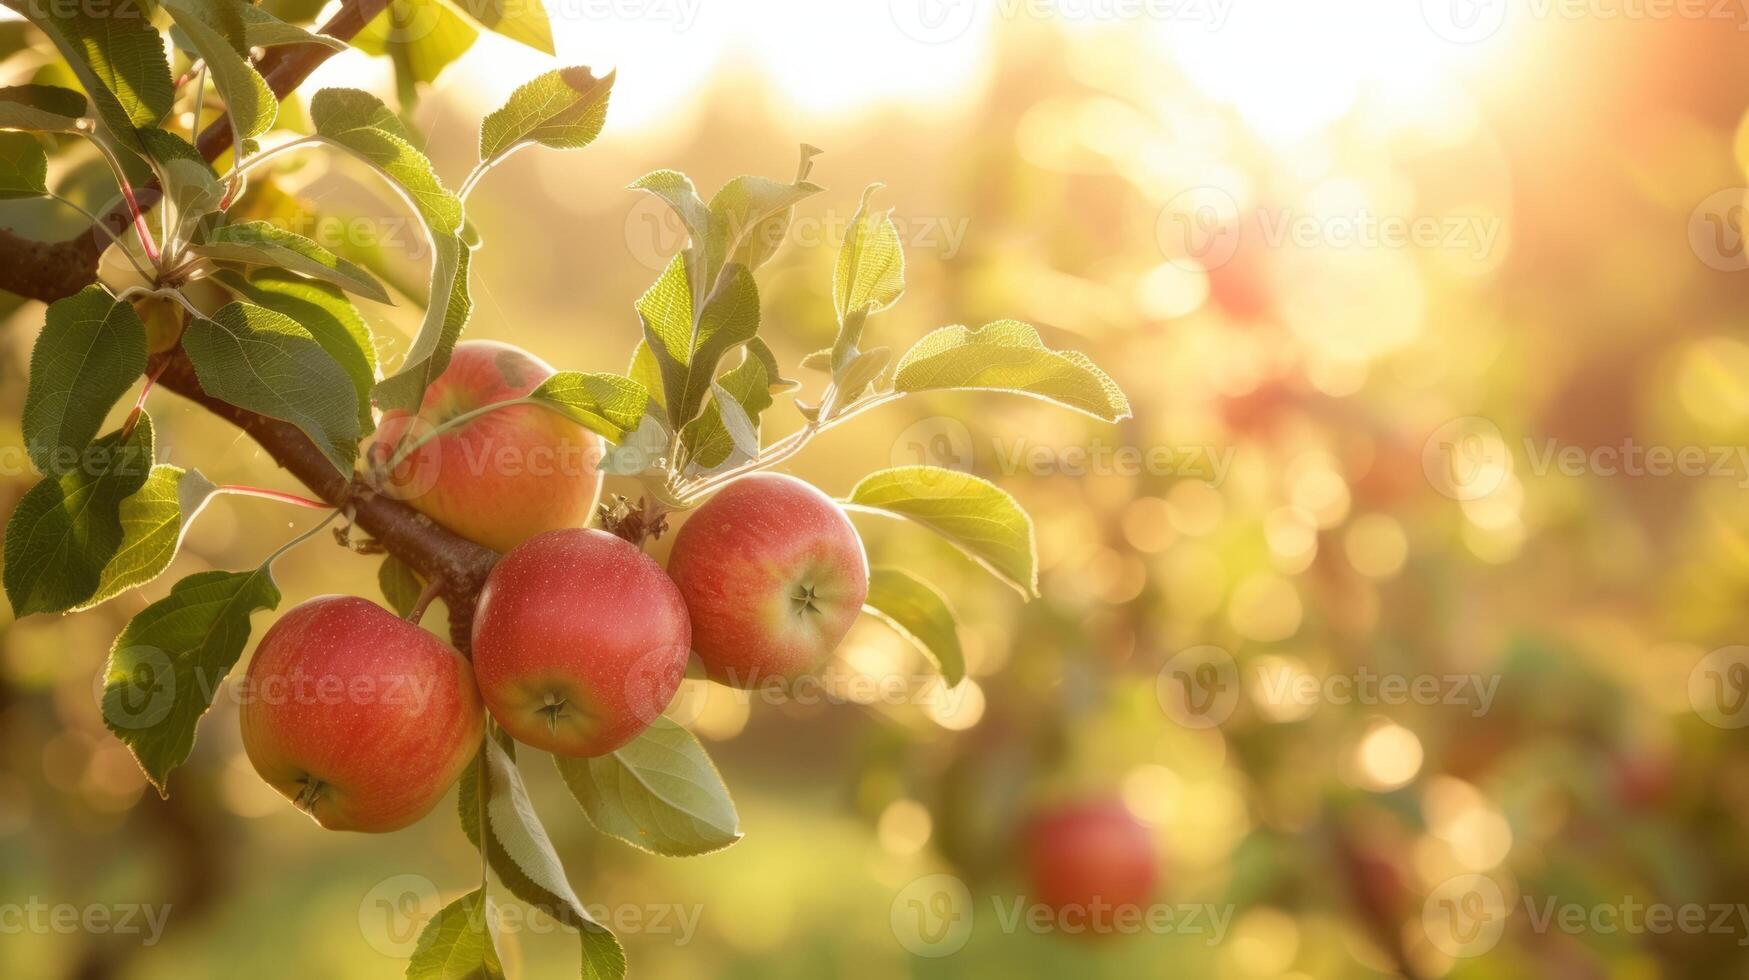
{"points": [[133, 419], [426, 595], [307, 797], [266, 494]]}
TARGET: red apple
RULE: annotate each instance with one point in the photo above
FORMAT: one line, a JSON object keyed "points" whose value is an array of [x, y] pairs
{"points": [[1091, 862], [505, 476], [773, 575], [360, 717], [580, 641]]}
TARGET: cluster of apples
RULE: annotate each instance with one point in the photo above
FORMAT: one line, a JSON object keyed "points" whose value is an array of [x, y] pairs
{"points": [[580, 639]]}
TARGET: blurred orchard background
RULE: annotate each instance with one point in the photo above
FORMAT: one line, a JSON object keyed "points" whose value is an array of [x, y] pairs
{"points": [[1405, 612]]}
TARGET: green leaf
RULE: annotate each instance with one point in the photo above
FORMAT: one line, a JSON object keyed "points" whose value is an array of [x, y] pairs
{"points": [[217, 30], [260, 243], [645, 371], [604, 403], [458, 943], [659, 792], [190, 186], [870, 274], [171, 658], [265, 362], [153, 522], [686, 351], [400, 585], [642, 451], [764, 236], [263, 30], [329, 317], [1009, 356], [920, 613], [24, 167], [710, 442], [520, 852], [43, 108], [563, 109], [974, 514], [442, 327], [90, 352], [360, 122], [860, 371], [675, 188], [66, 528], [750, 215], [420, 37], [117, 55], [519, 20]]}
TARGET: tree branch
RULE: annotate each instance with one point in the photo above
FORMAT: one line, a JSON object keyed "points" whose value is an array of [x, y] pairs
{"points": [[48, 271], [435, 552], [51, 270]]}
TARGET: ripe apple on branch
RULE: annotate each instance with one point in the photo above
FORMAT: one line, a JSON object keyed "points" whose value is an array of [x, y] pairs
{"points": [[480, 470]]}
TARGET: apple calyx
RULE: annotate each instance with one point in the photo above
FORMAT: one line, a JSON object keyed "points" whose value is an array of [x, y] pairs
{"points": [[307, 797], [634, 522], [554, 710], [803, 600]]}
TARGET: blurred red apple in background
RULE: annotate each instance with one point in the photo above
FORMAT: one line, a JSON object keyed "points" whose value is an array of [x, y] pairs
{"points": [[1091, 861]]}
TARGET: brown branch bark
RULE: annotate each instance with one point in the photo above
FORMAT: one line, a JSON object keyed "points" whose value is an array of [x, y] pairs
{"points": [[48, 271], [433, 551], [51, 270]]}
